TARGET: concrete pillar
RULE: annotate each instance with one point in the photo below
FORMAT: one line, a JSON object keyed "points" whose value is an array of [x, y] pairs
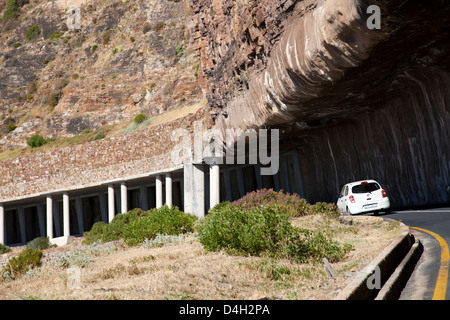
{"points": [[111, 208], [144, 198], [241, 183], [66, 215], [194, 189], [49, 217], [159, 201], [214, 184], [103, 207], [298, 174], [227, 180], [80, 216], [22, 225], [2, 224], [169, 189], [41, 219], [259, 182], [285, 174], [123, 197]]}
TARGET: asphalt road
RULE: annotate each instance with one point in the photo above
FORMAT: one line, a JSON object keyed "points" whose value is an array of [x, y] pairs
{"points": [[424, 281]]}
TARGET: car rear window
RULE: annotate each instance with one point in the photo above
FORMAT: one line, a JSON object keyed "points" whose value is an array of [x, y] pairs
{"points": [[366, 187]]}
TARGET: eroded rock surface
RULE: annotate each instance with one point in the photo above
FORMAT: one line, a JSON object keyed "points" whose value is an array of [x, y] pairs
{"points": [[356, 103]]}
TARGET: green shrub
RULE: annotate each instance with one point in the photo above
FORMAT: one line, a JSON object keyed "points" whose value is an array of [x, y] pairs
{"points": [[11, 127], [179, 50], [164, 220], [94, 47], [264, 230], [4, 249], [12, 10], [160, 25], [53, 98], [106, 36], [17, 44], [56, 35], [137, 225], [197, 67], [40, 243], [117, 49], [103, 232], [291, 204], [132, 39], [256, 232], [139, 118], [99, 136], [17, 266], [32, 32], [32, 87], [323, 208], [36, 141], [313, 245]]}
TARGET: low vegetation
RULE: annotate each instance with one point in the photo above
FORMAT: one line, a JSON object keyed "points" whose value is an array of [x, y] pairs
{"points": [[137, 226], [256, 247], [259, 224], [13, 8], [17, 266], [140, 118], [4, 249], [40, 243], [32, 32], [36, 141]]}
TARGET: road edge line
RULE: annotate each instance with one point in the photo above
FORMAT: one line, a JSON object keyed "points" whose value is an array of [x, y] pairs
{"points": [[442, 278]]}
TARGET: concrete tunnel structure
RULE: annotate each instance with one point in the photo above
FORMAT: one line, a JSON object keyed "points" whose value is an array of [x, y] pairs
{"points": [[194, 188]]}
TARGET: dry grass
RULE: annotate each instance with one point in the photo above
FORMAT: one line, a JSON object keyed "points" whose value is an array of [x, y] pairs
{"points": [[186, 271]]}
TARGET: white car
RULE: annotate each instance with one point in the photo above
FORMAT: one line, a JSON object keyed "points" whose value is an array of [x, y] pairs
{"points": [[363, 196]]}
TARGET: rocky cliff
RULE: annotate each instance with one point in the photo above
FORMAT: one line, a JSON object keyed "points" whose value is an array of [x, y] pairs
{"points": [[125, 57], [357, 102]]}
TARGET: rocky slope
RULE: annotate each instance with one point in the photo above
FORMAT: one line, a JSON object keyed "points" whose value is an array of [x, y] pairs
{"points": [[127, 57]]}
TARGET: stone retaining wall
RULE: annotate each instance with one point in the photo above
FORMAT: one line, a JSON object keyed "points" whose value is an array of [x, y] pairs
{"points": [[139, 152]]}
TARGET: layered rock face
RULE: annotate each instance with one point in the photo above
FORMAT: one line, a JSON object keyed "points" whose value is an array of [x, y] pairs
{"points": [[358, 103]]}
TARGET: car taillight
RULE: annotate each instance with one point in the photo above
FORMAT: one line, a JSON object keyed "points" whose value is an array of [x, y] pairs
{"points": [[352, 199], [383, 193]]}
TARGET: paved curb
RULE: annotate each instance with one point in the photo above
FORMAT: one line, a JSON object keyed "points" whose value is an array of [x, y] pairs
{"points": [[395, 284], [393, 265]]}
